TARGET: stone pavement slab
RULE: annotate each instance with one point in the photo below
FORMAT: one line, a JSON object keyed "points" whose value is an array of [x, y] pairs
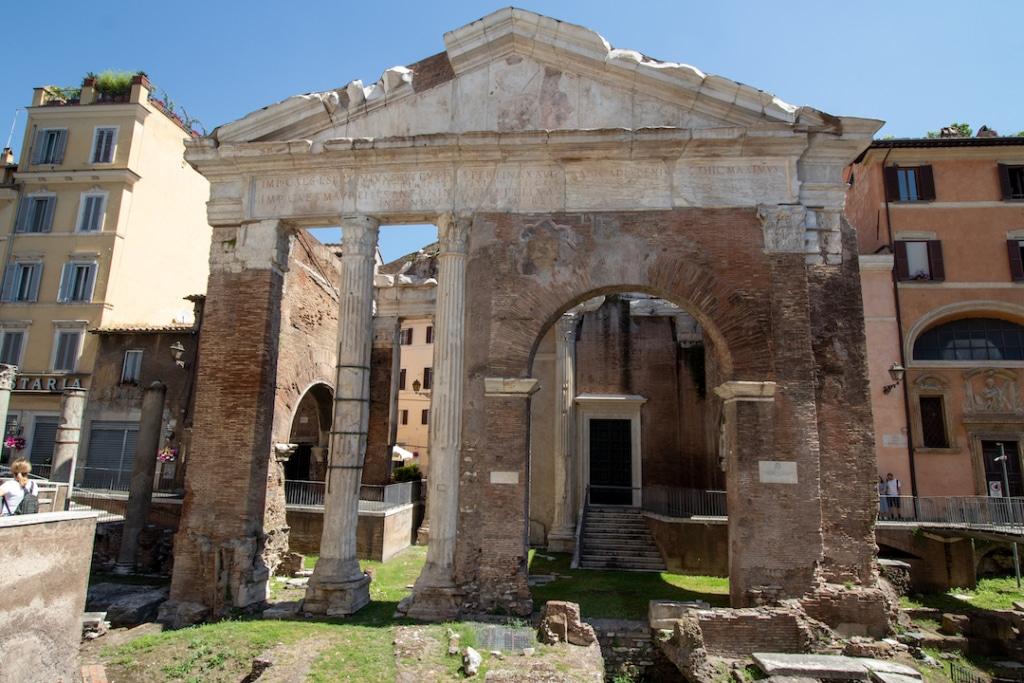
{"points": [[824, 667]]}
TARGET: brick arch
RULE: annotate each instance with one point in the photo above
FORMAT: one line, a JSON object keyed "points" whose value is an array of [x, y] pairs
{"points": [[710, 262], [323, 394]]}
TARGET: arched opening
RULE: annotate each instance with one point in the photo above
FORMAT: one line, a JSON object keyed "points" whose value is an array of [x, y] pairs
{"points": [[309, 432], [625, 434], [971, 339]]}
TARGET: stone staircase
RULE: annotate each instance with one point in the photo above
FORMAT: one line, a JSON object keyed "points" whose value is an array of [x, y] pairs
{"points": [[616, 537]]}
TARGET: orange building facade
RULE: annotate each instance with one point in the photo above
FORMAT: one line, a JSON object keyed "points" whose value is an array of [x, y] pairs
{"points": [[940, 225]]}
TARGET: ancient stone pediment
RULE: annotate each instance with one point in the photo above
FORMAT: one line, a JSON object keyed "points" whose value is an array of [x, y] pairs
{"points": [[514, 71]]}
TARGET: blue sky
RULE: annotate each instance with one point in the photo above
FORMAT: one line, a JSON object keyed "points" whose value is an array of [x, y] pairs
{"points": [[917, 65]]}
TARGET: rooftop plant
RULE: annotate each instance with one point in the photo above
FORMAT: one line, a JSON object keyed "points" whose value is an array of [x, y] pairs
{"points": [[112, 83]]}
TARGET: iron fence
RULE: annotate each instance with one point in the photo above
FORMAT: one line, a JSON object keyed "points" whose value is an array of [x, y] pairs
{"points": [[672, 501], [961, 674], [976, 512], [371, 497]]}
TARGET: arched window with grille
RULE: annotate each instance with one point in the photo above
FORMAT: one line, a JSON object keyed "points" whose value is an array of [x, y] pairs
{"points": [[985, 339]]}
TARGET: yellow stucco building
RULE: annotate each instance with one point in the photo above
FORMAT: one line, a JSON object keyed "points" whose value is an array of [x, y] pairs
{"points": [[414, 388], [104, 225]]}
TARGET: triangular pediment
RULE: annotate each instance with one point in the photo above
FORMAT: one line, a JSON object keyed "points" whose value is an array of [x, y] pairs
{"points": [[515, 70]]}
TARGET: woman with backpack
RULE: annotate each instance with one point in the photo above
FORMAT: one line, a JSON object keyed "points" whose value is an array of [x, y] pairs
{"points": [[20, 495]]}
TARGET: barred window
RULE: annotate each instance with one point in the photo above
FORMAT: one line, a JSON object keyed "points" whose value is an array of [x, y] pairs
{"points": [[933, 422]]}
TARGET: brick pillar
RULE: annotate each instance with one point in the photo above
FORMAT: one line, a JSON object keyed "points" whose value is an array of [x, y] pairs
{"points": [[228, 540], [383, 388], [434, 595], [338, 586], [845, 429]]}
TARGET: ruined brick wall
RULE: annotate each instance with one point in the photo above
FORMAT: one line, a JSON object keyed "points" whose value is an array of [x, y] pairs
{"points": [[219, 548], [522, 273], [377, 463], [845, 426], [737, 633]]}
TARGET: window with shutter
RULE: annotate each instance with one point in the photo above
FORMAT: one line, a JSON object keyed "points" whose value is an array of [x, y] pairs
{"points": [[401, 379], [35, 214], [428, 378], [406, 337], [77, 282], [90, 217], [65, 357], [430, 334], [11, 344], [1011, 181], [909, 183], [103, 145], [1016, 251], [405, 417], [50, 145], [425, 416]]}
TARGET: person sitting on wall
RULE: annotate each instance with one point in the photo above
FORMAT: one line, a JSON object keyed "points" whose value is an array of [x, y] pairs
{"points": [[20, 495]]}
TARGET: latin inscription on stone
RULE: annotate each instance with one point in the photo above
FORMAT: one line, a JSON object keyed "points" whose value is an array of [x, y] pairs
{"points": [[404, 191], [776, 472], [307, 194], [733, 182], [510, 187], [617, 184]]}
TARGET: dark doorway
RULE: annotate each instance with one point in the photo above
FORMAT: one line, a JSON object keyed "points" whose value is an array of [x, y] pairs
{"points": [[990, 450], [611, 462], [297, 466]]}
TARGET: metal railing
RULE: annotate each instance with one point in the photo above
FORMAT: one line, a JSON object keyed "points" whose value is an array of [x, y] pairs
{"points": [[672, 501], [975, 512], [371, 497], [961, 674]]}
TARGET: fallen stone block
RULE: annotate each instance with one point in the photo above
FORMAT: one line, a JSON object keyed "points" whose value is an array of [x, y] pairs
{"points": [[136, 608], [661, 613], [283, 610], [560, 622], [955, 624], [885, 666], [822, 667], [883, 677], [471, 661]]}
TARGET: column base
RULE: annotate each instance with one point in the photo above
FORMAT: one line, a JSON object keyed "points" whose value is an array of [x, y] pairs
{"points": [[336, 598], [562, 541], [432, 603]]}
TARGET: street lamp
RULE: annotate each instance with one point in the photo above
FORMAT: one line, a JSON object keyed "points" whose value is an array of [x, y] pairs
{"points": [[896, 371], [1001, 459]]}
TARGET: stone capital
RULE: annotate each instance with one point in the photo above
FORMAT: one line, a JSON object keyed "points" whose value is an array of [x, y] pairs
{"points": [[453, 232], [257, 245], [566, 326], [783, 227], [7, 376], [517, 387], [746, 391], [358, 235]]}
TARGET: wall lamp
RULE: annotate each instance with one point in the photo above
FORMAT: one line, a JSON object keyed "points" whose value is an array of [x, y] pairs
{"points": [[178, 354], [896, 371], [416, 385]]}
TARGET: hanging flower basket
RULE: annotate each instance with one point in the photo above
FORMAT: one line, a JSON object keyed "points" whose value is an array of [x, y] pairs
{"points": [[167, 454], [15, 442]]}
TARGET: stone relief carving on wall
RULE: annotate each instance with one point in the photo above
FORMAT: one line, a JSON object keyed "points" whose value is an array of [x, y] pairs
{"points": [[992, 391]]}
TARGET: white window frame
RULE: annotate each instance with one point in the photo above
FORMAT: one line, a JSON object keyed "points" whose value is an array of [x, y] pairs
{"points": [[138, 368], [64, 272], [113, 145], [918, 246], [67, 329], [23, 331], [103, 195]]}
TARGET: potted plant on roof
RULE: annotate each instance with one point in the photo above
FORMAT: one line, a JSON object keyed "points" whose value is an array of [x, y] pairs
{"points": [[112, 86]]}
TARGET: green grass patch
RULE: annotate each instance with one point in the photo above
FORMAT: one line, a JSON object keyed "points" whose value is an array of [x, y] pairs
{"points": [[997, 593], [619, 594]]}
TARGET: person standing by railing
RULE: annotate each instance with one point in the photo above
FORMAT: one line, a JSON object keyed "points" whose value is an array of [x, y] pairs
{"points": [[20, 495], [883, 502], [892, 493]]}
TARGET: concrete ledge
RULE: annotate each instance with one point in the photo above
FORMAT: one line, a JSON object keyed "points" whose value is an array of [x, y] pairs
{"points": [[746, 391], [44, 517]]}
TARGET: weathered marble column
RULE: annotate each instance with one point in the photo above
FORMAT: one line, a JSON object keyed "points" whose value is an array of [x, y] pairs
{"points": [[7, 376], [338, 586], [140, 493], [562, 537], [434, 595], [69, 434]]}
